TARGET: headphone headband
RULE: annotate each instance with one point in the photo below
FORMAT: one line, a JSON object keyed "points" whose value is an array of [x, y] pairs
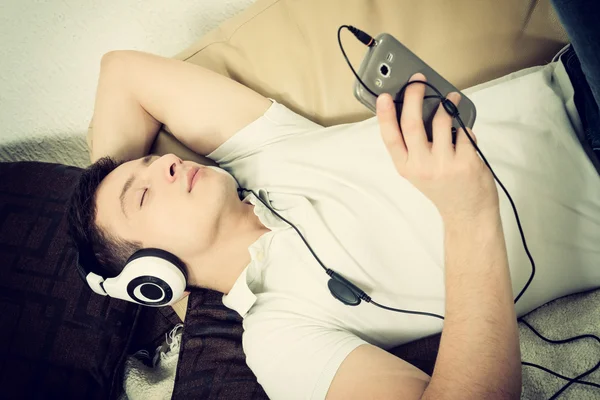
{"points": [[154, 252]]}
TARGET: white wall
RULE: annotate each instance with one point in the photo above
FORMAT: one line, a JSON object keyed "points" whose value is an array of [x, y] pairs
{"points": [[49, 62]]}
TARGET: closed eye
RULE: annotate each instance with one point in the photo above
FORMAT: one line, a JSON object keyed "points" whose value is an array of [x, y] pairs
{"points": [[143, 196]]}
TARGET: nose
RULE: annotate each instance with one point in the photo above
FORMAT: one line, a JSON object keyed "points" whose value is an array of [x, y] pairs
{"points": [[171, 165]]}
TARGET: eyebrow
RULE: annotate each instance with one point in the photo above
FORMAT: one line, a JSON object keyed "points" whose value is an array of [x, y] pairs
{"points": [[129, 183]]}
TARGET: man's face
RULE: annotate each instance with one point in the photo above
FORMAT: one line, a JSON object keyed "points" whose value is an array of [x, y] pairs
{"points": [[166, 203]]}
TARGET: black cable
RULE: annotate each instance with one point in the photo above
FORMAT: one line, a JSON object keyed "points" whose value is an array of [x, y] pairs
{"points": [[572, 381], [330, 272], [365, 39], [427, 314], [577, 379], [290, 224], [512, 203], [452, 110], [528, 364], [365, 297]]}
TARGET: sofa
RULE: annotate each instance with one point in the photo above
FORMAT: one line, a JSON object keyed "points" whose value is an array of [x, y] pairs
{"points": [[494, 39], [62, 341]]}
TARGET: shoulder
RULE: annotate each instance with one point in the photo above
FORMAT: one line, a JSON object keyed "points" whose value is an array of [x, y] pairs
{"points": [[272, 127], [293, 356]]}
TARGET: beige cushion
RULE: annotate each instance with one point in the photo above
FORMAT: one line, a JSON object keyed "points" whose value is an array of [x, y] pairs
{"points": [[288, 50]]}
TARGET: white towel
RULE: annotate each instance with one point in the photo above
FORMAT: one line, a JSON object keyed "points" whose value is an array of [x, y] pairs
{"points": [[145, 378]]}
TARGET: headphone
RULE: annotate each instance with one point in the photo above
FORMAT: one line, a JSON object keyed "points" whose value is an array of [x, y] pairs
{"points": [[351, 295], [156, 278], [151, 277]]}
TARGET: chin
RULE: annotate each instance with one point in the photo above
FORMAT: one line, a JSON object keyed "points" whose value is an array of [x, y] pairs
{"points": [[225, 173]]}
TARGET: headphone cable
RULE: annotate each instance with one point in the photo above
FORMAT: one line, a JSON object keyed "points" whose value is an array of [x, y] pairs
{"points": [[369, 41]]}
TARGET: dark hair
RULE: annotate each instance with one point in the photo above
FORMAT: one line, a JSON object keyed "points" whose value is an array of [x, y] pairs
{"points": [[99, 251]]}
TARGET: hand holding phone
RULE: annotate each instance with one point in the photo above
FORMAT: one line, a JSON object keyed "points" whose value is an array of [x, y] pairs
{"points": [[387, 67], [453, 177]]}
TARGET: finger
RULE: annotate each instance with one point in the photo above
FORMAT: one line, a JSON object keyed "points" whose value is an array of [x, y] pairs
{"points": [[442, 127], [411, 120], [390, 131], [463, 144]]}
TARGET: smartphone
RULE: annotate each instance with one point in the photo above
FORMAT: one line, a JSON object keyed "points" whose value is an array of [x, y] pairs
{"points": [[388, 65]]}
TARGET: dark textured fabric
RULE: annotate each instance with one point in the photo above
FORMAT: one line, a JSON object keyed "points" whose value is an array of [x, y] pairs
{"points": [[58, 340], [151, 328], [212, 364], [420, 353]]}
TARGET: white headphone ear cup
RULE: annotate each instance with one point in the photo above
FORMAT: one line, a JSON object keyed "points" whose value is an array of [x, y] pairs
{"points": [[149, 280]]}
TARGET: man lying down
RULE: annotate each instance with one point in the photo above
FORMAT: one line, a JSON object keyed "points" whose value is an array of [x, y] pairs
{"points": [[416, 225]]}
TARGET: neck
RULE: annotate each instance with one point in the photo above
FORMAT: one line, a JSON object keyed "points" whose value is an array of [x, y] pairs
{"points": [[219, 268]]}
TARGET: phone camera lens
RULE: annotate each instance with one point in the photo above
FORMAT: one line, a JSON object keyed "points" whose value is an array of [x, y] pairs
{"points": [[384, 70]]}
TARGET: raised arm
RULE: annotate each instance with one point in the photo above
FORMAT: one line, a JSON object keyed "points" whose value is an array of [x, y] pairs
{"points": [[479, 356], [137, 92]]}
